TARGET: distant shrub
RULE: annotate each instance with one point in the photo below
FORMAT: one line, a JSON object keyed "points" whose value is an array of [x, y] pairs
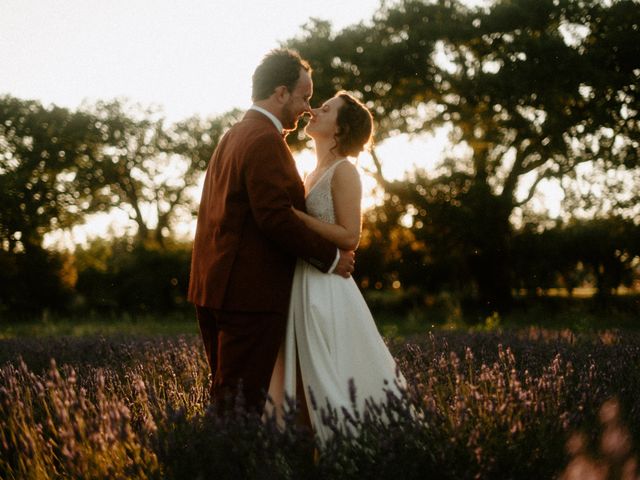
{"points": [[133, 278], [33, 282]]}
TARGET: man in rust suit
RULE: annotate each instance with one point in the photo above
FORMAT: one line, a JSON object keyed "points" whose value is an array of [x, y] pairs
{"points": [[248, 238]]}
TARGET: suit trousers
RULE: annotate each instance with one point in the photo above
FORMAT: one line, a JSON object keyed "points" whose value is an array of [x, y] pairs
{"points": [[241, 349]]}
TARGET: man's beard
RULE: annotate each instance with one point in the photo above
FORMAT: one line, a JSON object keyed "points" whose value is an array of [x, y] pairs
{"points": [[289, 120]]}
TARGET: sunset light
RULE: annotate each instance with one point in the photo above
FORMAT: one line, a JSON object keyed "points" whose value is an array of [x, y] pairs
{"points": [[194, 60], [249, 239]]}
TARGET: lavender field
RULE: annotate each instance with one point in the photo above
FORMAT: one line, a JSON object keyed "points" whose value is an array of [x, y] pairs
{"points": [[522, 404]]}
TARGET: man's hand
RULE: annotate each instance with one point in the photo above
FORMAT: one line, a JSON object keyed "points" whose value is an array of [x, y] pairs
{"points": [[346, 263]]}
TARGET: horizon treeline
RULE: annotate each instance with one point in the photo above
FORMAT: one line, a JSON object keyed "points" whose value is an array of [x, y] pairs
{"points": [[529, 90]]}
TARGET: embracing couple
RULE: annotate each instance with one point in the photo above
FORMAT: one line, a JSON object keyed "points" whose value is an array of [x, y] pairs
{"points": [[272, 260]]}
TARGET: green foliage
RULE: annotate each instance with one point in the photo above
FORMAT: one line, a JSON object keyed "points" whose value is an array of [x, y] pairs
{"points": [[58, 166], [605, 251], [530, 88], [33, 281], [46, 157], [144, 163], [107, 277], [125, 276], [427, 238]]}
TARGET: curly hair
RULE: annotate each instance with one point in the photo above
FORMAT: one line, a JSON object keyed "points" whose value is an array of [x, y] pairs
{"points": [[355, 126], [278, 67]]}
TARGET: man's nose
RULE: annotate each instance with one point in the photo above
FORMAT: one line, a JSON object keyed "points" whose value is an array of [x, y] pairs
{"points": [[313, 112]]}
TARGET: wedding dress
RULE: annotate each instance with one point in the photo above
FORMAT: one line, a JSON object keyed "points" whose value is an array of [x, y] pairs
{"points": [[333, 334]]}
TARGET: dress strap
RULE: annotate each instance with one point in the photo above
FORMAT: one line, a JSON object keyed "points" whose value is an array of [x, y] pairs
{"points": [[327, 174], [333, 167]]}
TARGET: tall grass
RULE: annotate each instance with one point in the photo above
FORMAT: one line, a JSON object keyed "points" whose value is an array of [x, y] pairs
{"points": [[528, 404], [123, 323]]}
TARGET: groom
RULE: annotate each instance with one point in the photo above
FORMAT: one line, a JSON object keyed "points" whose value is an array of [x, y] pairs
{"points": [[248, 237]]}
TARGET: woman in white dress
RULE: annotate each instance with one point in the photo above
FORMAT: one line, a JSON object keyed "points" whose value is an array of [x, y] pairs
{"points": [[330, 331]]}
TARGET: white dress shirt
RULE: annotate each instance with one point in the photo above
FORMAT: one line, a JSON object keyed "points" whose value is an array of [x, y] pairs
{"points": [[270, 116]]}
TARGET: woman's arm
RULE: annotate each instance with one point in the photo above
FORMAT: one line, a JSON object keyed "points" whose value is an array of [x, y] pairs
{"points": [[347, 194]]}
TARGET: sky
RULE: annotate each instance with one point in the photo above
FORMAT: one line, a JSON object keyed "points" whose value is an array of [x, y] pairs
{"points": [[186, 57]]}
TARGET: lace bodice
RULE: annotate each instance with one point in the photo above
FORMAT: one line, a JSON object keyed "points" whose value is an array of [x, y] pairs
{"points": [[319, 199]]}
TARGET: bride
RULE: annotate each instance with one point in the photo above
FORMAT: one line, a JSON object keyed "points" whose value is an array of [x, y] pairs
{"points": [[331, 336]]}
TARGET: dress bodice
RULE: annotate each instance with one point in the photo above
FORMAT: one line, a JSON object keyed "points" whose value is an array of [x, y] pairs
{"points": [[332, 344], [319, 199]]}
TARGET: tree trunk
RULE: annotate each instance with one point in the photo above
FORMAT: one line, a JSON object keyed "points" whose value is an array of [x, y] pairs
{"points": [[489, 257], [159, 237], [143, 232]]}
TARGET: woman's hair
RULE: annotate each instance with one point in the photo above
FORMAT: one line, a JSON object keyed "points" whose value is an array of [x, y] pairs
{"points": [[278, 67], [355, 126]]}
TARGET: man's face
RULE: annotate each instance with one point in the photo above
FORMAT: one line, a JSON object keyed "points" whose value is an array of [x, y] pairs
{"points": [[298, 102]]}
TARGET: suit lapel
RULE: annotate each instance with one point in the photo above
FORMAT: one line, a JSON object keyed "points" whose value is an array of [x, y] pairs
{"points": [[297, 190], [297, 195]]}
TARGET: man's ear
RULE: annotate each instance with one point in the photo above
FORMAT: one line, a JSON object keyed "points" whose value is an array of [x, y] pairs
{"points": [[282, 94]]}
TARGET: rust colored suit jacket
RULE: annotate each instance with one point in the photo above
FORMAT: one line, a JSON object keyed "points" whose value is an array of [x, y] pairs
{"points": [[247, 236]]}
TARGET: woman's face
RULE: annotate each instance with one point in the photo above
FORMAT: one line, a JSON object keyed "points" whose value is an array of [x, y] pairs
{"points": [[323, 119]]}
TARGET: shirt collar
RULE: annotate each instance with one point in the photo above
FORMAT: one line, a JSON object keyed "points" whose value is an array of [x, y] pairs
{"points": [[270, 115]]}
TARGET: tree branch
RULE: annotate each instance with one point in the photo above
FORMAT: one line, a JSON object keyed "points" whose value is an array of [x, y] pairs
{"points": [[532, 190], [378, 173], [535, 164], [163, 219], [512, 178]]}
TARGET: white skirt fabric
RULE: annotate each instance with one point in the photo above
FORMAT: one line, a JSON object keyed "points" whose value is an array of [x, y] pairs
{"points": [[331, 330]]}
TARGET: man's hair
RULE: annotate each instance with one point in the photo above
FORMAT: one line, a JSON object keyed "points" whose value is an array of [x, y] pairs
{"points": [[278, 67]]}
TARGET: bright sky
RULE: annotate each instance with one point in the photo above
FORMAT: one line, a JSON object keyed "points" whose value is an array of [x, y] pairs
{"points": [[192, 56]]}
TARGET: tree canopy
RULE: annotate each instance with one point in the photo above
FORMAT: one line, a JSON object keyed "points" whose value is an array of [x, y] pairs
{"points": [[147, 168], [528, 89], [531, 88], [57, 166], [46, 165]]}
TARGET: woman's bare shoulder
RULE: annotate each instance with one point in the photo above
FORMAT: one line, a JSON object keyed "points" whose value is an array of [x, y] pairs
{"points": [[346, 174]]}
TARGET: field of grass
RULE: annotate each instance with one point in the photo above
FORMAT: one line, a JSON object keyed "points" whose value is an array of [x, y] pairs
{"points": [[528, 403], [179, 323], [397, 314], [403, 313]]}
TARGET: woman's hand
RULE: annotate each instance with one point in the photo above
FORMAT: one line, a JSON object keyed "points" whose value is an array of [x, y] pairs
{"points": [[301, 215]]}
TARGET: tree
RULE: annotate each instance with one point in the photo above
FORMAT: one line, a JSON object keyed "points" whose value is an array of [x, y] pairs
{"points": [[147, 168], [532, 88], [46, 155], [57, 166]]}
